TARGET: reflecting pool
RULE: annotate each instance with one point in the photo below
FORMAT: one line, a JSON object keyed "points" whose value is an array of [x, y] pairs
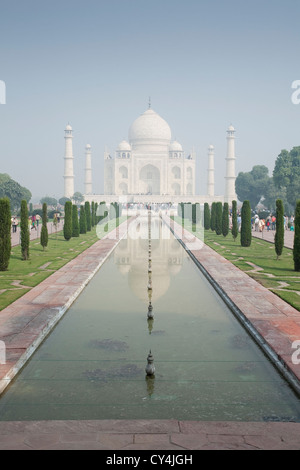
{"points": [[92, 365]]}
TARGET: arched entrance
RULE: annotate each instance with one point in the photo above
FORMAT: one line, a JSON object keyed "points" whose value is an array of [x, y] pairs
{"points": [[149, 180]]}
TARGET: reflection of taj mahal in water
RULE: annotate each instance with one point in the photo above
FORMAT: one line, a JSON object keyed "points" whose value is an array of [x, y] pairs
{"points": [[151, 167], [167, 258]]}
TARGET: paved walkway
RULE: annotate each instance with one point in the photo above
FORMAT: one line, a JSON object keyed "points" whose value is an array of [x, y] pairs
{"points": [[35, 233], [25, 323], [269, 236]]}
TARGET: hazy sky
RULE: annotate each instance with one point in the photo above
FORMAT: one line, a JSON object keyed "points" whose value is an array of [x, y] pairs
{"points": [[94, 63]]}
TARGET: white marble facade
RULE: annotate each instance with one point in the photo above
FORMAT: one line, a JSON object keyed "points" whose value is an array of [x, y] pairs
{"points": [[150, 162]]}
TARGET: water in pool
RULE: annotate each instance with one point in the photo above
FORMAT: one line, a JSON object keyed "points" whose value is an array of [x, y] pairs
{"points": [[92, 365]]}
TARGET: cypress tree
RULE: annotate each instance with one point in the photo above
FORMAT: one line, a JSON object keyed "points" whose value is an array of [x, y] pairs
{"points": [[87, 209], [246, 234], [225, 219], [279, 234], [93, 222], [234, 229], [206, 216], [82, 220], [296, 250], [219, 212], [96, 216], [75, 222], [68, 220], [44, 231], [25, 238], [5, 235], [213, 217]]}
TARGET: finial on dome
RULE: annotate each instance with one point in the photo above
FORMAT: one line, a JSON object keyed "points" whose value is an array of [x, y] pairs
{"points": [[149, 103]]}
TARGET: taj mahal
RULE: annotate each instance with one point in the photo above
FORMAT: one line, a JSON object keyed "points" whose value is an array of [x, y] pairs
{"points": [[150, 167]]}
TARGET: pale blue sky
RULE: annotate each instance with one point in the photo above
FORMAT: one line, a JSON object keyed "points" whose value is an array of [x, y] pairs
{"points": [[94, 63]]}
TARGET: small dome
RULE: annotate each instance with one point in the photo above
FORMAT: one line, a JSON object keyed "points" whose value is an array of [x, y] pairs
{"points": [[88, 146], [175, 146], [68, 127], [124, 146], [231, 128], [211, 147]]}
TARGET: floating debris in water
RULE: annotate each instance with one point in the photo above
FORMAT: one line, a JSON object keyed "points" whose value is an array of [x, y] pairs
{"points": [[278, 419], [126, 371], [109, 344]]}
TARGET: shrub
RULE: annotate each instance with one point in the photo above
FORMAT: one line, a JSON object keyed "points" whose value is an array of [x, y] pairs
{"points": [[234, 229], [279, 234], [246, 234], [206, 216], [44, 231], [225, 219], [5, 235], [82, 220], [219, 212], [68, 220], [24, 228], [296, 250], [75, 221], [87, 208], [213, 217]]}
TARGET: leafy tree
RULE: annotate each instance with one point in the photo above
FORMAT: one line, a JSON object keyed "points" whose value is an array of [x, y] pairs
{"points": [[13, 191], [75, 221], [206, 216], [234, 229], [63, 200], [82, 220], [279, 234], [213, 217], [296, 249], [246, 234], [5, 233], [78, 198], [252, 186], [44, 231], [50, 201], [219, 212], [286, 174], [68, 220], [24, 227], [225, 219], [87, 208]]}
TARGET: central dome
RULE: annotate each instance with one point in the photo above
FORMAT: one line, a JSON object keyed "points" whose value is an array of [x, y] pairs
{"points": [[149, 129]]}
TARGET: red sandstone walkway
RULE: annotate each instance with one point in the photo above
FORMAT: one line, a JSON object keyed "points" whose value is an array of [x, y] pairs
{"points": [[26, 322], [269, 237]]}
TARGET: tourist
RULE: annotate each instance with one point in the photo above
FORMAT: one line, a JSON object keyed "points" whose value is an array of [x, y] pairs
{"points": [[268, 223], [15, 224], [256, 223], [38, 218], [273, 222]]}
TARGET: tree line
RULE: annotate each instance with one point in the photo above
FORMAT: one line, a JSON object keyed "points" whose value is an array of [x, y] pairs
{"points": [[76, 221], [221, 220], [256, 185]]}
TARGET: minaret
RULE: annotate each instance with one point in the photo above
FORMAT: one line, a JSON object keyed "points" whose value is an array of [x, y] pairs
{"points": [[88, 170], [230, 194], [69, 172], [211, 172]]}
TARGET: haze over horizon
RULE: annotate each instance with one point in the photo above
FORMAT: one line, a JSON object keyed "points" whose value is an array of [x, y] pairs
{"points": [[94, 64]]}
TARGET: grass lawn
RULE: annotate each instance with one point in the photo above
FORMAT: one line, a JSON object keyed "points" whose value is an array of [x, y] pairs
{"points": [[259, 261], [21, 275]]}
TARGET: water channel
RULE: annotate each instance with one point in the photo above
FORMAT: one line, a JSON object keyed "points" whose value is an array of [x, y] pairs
{"points": [[92, 365]]}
